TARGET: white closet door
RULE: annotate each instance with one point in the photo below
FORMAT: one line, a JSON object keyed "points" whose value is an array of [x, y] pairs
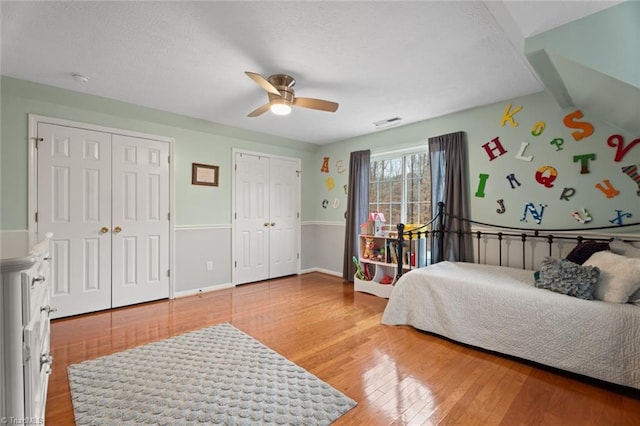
{"points": [[251, 218], [140, 208], [284, 191], [74, 202]]}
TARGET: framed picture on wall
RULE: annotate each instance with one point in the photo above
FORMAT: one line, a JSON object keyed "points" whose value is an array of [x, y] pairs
{"points": [[204, 174]]}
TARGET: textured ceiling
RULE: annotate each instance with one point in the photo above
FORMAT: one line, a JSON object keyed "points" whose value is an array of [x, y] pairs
{"points": [[378, 59]]}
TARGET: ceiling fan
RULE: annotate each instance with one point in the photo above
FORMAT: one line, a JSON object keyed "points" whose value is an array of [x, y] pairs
{"points": [[282, 97]]}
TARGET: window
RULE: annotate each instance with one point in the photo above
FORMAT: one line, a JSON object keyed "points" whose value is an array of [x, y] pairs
{"points": [[400, 187]]}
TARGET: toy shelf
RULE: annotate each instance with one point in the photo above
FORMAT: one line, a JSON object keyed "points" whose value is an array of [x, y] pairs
{"points": [[379, 253]]}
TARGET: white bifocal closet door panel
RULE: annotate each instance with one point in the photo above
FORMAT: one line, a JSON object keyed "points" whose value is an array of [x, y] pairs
{"points": [[74, 191], [252, 218], [283, 216], [140, 207]]}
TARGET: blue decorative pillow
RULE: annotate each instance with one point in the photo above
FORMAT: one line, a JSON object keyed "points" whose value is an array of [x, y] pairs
{"points": [[565, 277]]}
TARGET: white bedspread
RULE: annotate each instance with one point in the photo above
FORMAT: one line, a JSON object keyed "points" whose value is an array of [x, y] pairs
{"points": [[499, 309]]}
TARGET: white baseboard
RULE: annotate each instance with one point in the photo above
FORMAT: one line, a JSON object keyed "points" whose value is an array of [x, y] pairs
{"points": [[203, 290], [324, 271]]}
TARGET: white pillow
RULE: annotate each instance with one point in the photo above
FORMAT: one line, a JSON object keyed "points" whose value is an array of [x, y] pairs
{"points": [[626, 249], [619, 276]]}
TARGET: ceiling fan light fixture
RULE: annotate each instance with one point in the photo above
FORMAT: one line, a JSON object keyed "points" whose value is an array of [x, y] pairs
{"points": [[280, 108]]}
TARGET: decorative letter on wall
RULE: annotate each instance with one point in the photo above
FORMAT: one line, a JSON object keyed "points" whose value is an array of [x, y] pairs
{"points": [[512, 179], [584, 162], [567, 193], [617, 141], [547, 181], [483, 182], [538, 128], [535, 214], [502, 209], [585, 127], [582, 216], [620, 215], [558, 142], [607, 188], [508, 116], [520, 155], [497, 146], [325, 165], [632, 172], [330, 183]]}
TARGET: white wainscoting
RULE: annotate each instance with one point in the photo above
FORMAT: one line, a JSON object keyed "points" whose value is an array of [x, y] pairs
{"points": [[322, 251], [196, 245], [323, 247]]}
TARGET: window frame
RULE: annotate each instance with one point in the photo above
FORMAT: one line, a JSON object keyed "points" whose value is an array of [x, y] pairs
{"points": [[402, 154]]}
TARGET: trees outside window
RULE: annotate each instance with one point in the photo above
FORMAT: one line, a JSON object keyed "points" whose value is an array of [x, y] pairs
{"points": [[400, 187]]}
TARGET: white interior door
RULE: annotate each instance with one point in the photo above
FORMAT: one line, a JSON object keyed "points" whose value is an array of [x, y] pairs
{"points": [[140, 220], [266, 218], [74, 193], [251, 218], [284, 217], [106, 199]]}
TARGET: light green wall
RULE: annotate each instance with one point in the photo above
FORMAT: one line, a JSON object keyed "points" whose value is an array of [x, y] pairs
{"points": [[195, 141], [481, 126], [606, 41]]}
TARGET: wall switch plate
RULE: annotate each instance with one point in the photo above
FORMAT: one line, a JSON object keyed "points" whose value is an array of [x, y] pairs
{"points": [[210, 265]]}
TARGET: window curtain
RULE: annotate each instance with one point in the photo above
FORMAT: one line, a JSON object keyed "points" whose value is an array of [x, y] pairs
{"points": [[449, 184], [357, 208]]}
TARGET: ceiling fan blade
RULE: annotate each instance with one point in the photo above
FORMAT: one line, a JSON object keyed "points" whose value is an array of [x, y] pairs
{"points": [[319, 104], [259, 111], [262, 82]]}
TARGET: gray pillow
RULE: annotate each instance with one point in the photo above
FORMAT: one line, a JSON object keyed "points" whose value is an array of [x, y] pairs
{"points": [[565, 277]]}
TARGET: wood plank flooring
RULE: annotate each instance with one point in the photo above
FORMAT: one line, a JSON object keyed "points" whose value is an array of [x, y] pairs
{"points": [[397, 375]]}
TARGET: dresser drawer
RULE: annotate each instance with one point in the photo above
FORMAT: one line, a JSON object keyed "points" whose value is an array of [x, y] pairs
{"points": [[35, 290], [37, 364]]}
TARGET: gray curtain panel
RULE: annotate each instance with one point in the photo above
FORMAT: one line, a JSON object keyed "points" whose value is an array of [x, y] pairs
{"points": [[357, 208], [449, 184]]}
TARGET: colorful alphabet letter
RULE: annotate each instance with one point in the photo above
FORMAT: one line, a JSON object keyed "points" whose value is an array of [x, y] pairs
{"points": [[607, 188], [538, 128], [520, 155], [501, 204], [620, 215], [546, 180], [512, 179], [535, 214], [483, 182], [584, 162], [632, 172], [508, 116], [585, 127], [567, 193], [617, 141], [582, 216], [497, 146], [558, 142], [325, 165], [330, 183]]}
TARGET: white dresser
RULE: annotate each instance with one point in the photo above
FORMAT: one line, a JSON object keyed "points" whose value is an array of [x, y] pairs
{"points": [[24, 326]]}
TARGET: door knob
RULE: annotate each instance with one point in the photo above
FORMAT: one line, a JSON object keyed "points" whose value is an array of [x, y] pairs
{"points": [[273, 224], [266, 224], [104, 230], [117, 229]]}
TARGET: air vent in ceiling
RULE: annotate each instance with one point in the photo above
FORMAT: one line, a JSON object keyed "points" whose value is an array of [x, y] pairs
{"points": [[389, 122]]}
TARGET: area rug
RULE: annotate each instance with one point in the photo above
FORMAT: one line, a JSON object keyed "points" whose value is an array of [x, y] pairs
{"points": [[217, 375]]}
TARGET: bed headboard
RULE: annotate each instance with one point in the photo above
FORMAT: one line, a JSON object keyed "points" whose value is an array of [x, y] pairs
{"points": [[522, 248]]}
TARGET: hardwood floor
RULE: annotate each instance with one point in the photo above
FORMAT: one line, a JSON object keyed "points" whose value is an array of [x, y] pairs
{"points": [[397, 375]]}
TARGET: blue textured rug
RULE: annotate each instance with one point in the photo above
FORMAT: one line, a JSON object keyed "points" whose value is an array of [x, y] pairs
{"points": [[217, 375]]}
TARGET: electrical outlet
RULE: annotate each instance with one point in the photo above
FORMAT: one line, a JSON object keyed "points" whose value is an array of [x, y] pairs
{"points": [[210, 265]]}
